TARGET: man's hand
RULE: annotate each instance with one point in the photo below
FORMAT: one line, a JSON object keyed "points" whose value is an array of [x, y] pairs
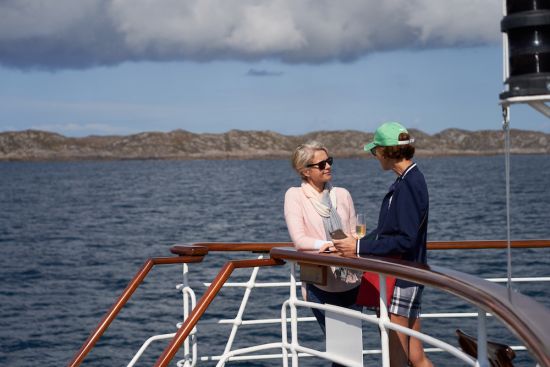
{"points": [[346, 246]]}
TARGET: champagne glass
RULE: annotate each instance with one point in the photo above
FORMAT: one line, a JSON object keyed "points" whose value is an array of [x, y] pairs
{"points": [[360, 226]]}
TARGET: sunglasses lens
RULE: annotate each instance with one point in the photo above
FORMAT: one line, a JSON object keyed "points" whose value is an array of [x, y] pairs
{"points": [[323, 164], [373, 151]]}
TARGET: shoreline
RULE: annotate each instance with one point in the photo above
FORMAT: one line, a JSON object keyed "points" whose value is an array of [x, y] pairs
{"points": [[41, 146], [233, 158]]}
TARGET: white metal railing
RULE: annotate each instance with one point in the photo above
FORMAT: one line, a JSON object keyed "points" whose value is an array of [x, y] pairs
{"points": [[382, 321], [293, 349]]}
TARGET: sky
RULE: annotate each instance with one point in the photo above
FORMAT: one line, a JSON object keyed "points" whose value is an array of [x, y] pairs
{"points": [[118, 67]]}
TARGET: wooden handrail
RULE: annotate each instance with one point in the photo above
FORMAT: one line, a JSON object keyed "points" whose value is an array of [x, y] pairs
{"points": [[188, 249], [197, 312], [526, 318], [123, 299], [486, 244], [184, 249]]}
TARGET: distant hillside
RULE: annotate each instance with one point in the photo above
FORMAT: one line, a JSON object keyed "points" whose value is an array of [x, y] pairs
{"points": [[32, 145]]}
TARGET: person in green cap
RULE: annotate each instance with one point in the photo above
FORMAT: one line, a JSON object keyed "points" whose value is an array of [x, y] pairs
{"points": [[402, 232]]}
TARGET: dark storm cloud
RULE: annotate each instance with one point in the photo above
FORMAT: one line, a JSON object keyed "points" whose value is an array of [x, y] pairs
{"points": [[57, 34], [258, 72]]}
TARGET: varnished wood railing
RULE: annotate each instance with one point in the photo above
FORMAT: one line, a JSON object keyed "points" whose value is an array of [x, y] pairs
{"points": [[486, 244], [184, 249], [195, 252]]}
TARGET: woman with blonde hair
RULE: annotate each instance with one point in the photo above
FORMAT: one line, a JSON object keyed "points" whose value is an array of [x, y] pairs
{"points": [[313, 211]]}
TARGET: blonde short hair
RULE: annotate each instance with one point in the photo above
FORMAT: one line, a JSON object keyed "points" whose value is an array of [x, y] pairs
{"points": [[303, 154]]}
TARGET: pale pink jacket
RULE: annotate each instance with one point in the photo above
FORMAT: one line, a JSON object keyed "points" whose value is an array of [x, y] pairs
{"points": [[307, 231]]}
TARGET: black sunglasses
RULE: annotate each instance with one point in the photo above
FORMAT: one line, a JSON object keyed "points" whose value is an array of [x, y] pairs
{"points": [[373, 151], [321, 165]]}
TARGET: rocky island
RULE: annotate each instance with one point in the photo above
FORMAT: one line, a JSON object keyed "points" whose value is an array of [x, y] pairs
{"points": [[34, 145]]}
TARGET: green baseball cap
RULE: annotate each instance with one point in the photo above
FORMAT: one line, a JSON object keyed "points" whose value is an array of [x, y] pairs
{"points": [[387, 135]]}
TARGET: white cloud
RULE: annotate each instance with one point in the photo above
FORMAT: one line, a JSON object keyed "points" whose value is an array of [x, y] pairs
{"points": [[64, 33]]}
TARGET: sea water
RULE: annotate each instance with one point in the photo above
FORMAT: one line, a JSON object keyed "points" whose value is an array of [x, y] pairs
{"points": [[73, 234]]}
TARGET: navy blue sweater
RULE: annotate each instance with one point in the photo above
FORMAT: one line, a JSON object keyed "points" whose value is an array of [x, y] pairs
{"points": [[403, 222]]}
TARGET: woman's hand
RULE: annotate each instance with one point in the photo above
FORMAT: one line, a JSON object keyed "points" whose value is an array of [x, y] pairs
{"points": [[346, 246], [327, 247]]}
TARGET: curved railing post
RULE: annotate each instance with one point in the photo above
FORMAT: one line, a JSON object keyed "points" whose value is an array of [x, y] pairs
{"points": [[189, 302], [122, 300]]}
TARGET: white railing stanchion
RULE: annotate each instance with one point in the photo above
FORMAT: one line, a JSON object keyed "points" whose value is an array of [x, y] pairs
{"points": [[482, 360], [284, 333], [188, 356], [293, 315], [189, 302], [384, 339]]}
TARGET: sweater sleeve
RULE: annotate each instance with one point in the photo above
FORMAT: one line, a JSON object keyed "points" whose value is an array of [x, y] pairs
{"points": [[296, 223], [400, 230], [351, 220]]}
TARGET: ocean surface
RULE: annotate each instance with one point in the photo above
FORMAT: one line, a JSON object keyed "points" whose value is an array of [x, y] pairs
{"points": [[73, 234]]}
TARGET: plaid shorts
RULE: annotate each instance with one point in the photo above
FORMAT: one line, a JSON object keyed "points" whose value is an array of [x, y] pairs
{"points": [[406, 301]]}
